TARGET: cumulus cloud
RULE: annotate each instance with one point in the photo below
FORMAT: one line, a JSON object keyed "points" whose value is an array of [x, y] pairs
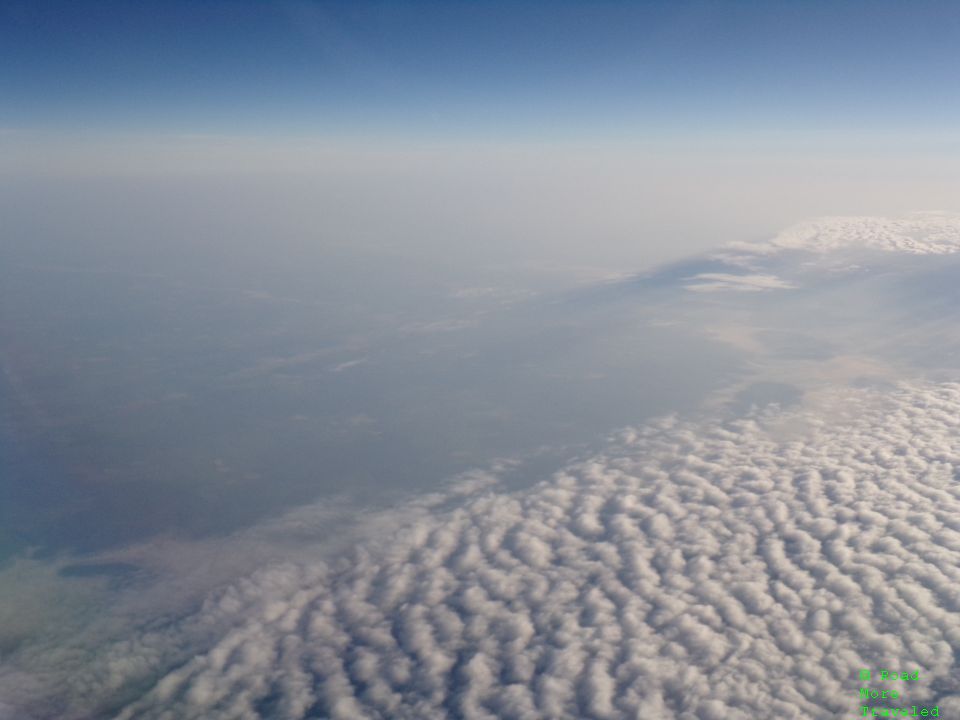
{"points": [[739, 568]]}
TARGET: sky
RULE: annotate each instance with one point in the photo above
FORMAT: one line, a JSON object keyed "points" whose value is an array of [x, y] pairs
{"points": [[543, 122], [479, 69], [539, 120]]}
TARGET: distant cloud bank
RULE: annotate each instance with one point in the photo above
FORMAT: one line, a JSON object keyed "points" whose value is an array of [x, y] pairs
{"points": [[917, 234]]}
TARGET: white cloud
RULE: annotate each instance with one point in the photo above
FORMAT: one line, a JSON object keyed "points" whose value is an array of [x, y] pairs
{"points": [[738, 569], [917, 234], [340, 367], [714, 282]]}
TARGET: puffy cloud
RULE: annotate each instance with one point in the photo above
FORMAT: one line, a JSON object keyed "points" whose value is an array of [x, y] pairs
{"points": [[744, 568]]}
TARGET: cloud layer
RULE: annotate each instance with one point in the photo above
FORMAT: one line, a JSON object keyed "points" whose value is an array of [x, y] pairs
{"points": [[738, 569], [917, 234]]}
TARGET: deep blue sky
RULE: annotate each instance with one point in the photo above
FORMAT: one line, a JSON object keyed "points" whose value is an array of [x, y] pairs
{"points": [[478, 67]]}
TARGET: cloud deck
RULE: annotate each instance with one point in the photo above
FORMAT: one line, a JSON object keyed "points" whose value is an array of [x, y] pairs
{"points": [[694, 570]]}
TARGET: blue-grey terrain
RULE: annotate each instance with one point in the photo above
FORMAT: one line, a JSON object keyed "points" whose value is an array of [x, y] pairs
{"points": [[350, 489]]}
